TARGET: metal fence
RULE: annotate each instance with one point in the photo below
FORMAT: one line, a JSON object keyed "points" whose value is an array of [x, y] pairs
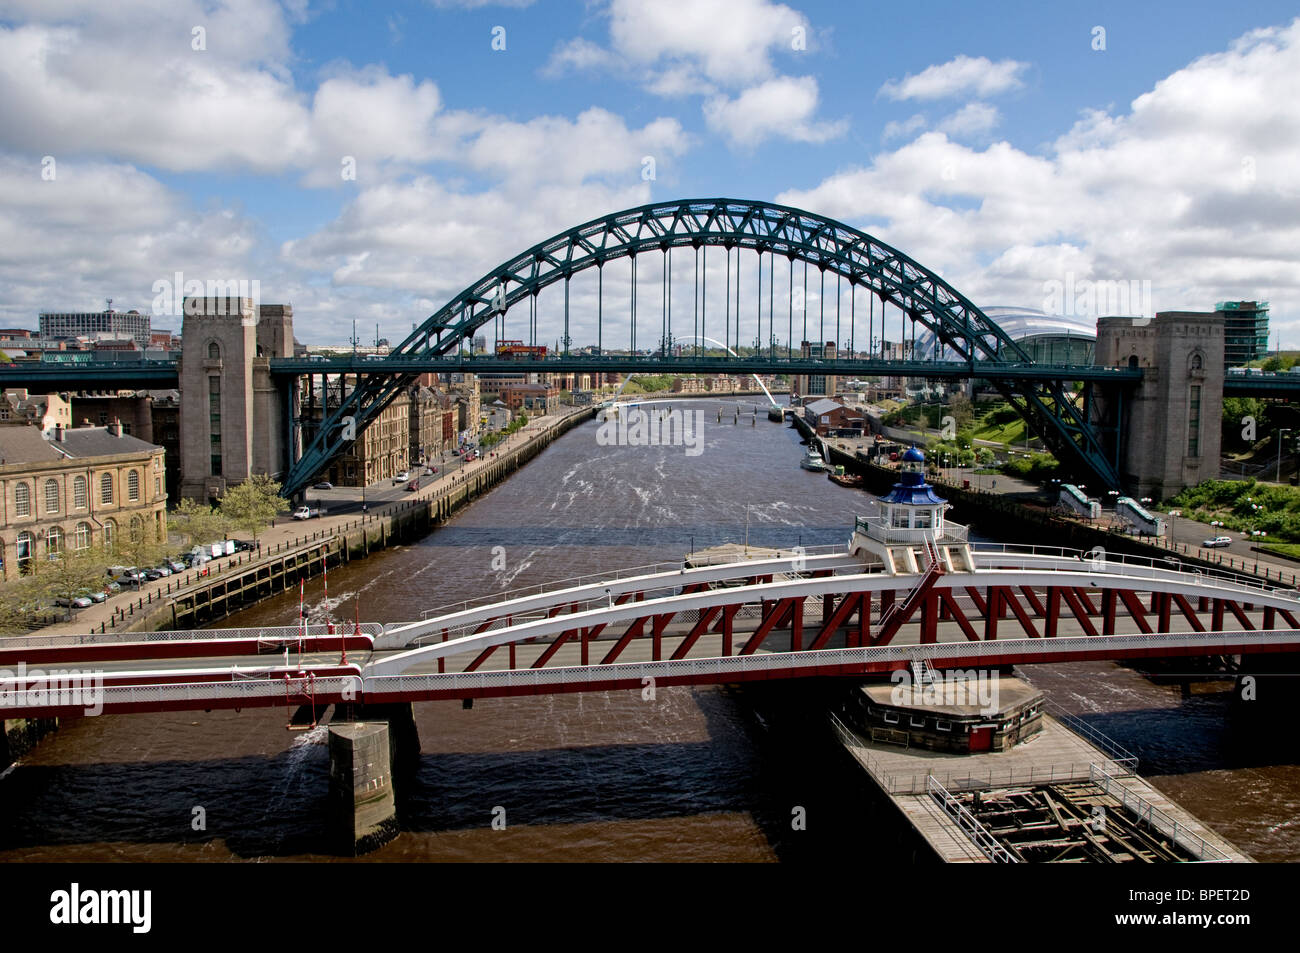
{"points": [[1158, 820]]}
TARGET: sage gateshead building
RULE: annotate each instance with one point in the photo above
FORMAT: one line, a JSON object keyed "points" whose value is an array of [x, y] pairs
{"points": [[1047, 338]]}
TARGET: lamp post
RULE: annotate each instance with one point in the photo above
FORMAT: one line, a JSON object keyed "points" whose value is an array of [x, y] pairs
{"points": [[1277, 476]]}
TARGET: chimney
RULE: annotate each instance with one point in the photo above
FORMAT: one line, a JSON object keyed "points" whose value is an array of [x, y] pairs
{"points": [[115, 427], [58, 433]]}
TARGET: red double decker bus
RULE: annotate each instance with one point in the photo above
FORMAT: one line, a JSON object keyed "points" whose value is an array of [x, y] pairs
{"points": [[519, 351]]}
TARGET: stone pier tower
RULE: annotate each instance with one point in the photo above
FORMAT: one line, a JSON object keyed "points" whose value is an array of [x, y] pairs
{"points": [[234, 418], [1172, 434]]}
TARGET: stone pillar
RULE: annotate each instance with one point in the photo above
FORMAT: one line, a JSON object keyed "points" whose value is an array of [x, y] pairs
{"points": [[1172, 420], [225, 383], [363, 803], [374, 755]]}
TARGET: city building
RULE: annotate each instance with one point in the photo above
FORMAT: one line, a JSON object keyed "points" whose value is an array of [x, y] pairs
{"points": [[381, 451], [814, 385], [531, 398], [76, 324], [43, 411], [831, 418], [79, 489], [1245, 331]]}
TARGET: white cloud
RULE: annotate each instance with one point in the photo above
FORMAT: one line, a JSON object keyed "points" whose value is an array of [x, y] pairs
{"points": [[782, 107], [901, 129], [578, 54], [731, 42], [1194, 188], [973, 119], [961, 75]]}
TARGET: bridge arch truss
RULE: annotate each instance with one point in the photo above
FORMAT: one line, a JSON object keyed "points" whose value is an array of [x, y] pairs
{"points": [[831, 247]]}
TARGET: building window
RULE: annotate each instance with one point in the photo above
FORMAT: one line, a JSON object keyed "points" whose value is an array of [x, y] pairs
{"points": [[110, 533], [79, 494], [1197, 363], [898, 518], [133, 486], [22, 500], [106, 488], [214, 422], [157, 486], [23, 552], [82, 539], [1194, 421], [51, 496], [53, 543], [214, 351]]}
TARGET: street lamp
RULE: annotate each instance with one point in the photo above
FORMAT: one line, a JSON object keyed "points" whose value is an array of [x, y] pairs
{"points": [[1277, 477]]}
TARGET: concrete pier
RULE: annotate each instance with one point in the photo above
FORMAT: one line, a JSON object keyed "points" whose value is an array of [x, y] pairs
{"points": [[374, 753], [363, 801]]}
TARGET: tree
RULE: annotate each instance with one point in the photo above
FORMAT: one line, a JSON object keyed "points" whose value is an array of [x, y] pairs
{"points": [[66, 574], [138, 545], [16, 605], [252, 505], [196, 523]]}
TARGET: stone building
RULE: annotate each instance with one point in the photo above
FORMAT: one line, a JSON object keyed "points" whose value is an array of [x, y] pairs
{"points": [[235, 418], [381, 451], [44, 411], [1172, 436], [79, 489], [426, 425]]}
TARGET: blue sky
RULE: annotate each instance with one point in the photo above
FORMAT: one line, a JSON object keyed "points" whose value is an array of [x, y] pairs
{"points": [[992, 142]]}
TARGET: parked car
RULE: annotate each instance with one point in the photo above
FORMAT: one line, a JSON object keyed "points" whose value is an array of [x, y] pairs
{"points": [[323, 485], [78, 602], [175, 565], [149, 575], [243, 545], [162, 569], [305, 513], [94, 595], [1217, 541], [112, 587]]}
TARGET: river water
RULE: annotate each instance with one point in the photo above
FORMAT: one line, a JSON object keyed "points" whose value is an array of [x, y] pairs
{"points": [[694, 774]]}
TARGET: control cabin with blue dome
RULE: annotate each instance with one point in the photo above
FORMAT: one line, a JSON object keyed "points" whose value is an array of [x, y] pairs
{"points": [[911, 532]]}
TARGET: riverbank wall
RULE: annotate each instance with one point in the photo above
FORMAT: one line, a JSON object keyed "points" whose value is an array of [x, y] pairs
{"points": [[191, 601]]}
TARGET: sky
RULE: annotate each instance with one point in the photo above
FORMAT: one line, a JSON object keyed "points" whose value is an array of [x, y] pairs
{"points": [[367, 161]]}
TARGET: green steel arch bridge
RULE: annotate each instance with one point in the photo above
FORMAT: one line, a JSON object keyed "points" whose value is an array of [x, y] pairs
{"points": [[902, 298]]}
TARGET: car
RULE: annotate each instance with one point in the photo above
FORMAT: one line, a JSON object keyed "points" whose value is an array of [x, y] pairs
{"points": [[1217, 541], [323, 485], [402, 477], [79, 602], [94, 595], [112, 587], [305, 513], [376, 357], [430, 471], [243, 545], [150, 575], [413, 485], [162, 569], [175, 565]]}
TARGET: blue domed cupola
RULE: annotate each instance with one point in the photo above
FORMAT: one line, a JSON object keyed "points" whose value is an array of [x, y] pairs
{"points": [[910, 530]]}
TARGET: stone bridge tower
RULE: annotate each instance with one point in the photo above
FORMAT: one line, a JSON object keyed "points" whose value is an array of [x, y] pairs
{"points": [[235, 419], [1172, 430]]}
